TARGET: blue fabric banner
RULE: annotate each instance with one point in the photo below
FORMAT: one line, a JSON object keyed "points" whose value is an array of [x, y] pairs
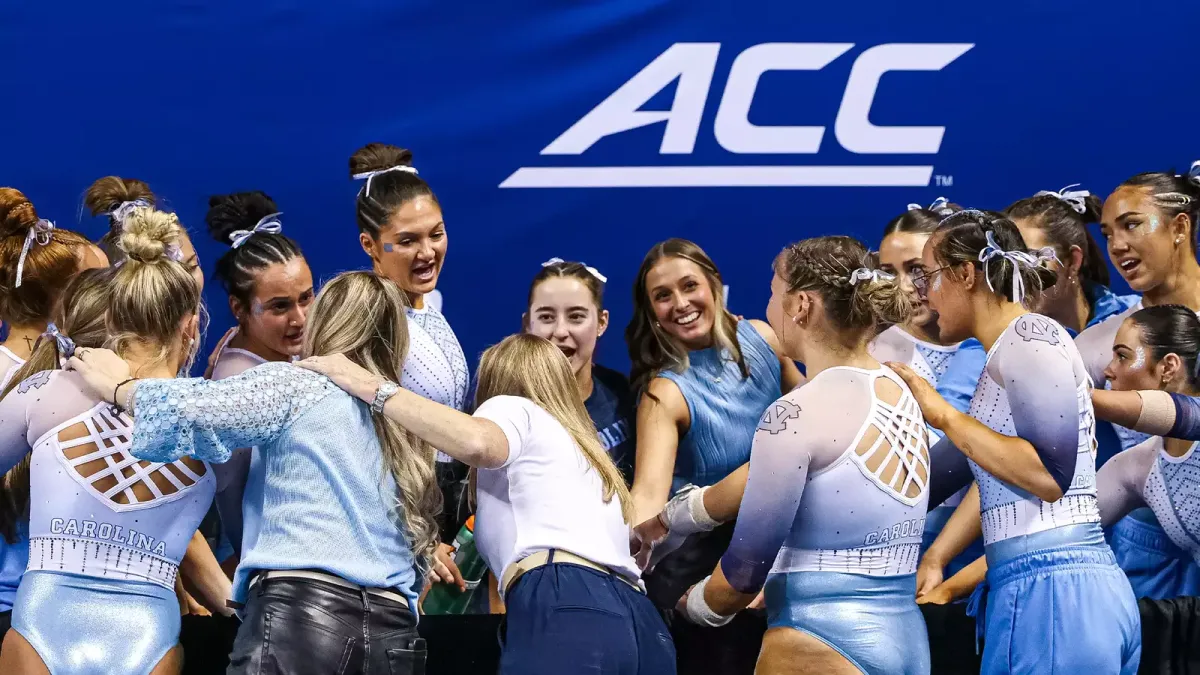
{"points": [[591, 130]]}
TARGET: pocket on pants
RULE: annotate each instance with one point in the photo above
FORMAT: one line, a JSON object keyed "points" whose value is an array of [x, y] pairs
{"points": [[294, 646], [410, 661], [589, 640]]}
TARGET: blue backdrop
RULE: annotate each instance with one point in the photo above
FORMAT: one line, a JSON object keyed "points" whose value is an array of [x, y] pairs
{"points": [[205, 97]]}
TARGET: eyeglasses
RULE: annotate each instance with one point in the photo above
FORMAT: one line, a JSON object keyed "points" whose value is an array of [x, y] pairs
{"points": [[921, 281]]}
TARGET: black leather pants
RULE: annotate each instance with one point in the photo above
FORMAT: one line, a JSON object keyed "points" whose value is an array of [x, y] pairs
{"points": [[303, 627]]}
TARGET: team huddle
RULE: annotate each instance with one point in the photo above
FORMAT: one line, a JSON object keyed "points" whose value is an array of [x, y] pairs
{"points": [[975, 415]]}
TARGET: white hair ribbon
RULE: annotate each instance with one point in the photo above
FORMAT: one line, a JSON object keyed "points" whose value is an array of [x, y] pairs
{"points": [[864, 274], [173, 252], [1076, 199], [591, 270], [38, 234], [268, 224], [1193, 174], [1017, 258], [370, 175], [940, 206], [125, 209]]}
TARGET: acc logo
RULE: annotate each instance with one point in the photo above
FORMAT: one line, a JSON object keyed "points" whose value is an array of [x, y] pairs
{"points": [[693, 65]]}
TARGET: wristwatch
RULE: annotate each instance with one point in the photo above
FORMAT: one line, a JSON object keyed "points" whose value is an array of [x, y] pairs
{"points": [[386, 390]]}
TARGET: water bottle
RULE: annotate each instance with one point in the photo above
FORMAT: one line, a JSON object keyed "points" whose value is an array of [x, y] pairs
{"points": [[446, 598]]}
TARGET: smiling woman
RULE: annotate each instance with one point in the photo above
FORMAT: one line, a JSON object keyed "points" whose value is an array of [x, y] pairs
{"points": [[705, 378]]}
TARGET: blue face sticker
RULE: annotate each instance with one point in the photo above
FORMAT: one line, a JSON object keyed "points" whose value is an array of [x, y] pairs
{"points": [[387, 248]]}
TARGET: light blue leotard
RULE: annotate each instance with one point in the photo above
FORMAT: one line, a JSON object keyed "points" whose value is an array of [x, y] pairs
{"points": [[832, 518], [106, 532], [1043, 556]]}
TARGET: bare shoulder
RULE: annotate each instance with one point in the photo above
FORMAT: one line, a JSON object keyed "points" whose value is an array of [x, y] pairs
{"points": [[764, 329], [663, 395]]}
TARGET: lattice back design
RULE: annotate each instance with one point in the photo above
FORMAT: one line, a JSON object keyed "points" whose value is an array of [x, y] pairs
{"points": [[96, 450], [896, 455]]}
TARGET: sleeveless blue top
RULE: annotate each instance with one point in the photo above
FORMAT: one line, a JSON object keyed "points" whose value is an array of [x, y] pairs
{"points": [[724, 407]]}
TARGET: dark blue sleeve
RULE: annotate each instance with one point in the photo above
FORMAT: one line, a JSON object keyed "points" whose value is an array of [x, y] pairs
{"points": [[1038, 376], [949, 472], [1187, 418], [957, 384]]}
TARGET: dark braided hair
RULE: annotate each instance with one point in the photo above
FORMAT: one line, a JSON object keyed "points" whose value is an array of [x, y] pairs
{"points": [[963, 236], [919, 218], [237, 270], [386, 192], [1172, 329], [1174, 194], [1066, 227]]}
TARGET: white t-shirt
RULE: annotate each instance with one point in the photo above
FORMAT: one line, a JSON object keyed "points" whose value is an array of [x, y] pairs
{"points": [[546, 495]]}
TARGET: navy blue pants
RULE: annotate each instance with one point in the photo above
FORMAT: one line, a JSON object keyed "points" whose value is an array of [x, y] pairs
{"points": [[565, 618]]}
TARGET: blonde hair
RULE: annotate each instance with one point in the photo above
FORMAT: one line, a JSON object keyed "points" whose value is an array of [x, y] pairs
{"points": [[152, 291], [79, 314], [531, 367], [361, 315]]}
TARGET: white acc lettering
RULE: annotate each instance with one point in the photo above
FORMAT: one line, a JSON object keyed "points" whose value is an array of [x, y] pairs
{"points": [[693, 65]]}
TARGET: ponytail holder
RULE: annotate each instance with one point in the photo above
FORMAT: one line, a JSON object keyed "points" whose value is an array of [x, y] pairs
{"points": [[870, 275], [1017, 258], [1076, 199], [40, 233], [591, 270], [267, 224], [370, 175], [66, 346], [123, 210]]}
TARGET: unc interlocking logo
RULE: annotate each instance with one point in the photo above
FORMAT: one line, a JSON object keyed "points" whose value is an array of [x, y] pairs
{"points": [[1032, 328], [777, 415], [34, 381]]}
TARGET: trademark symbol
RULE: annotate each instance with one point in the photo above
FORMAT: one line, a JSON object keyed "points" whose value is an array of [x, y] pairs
{"points": [[943, 181]]}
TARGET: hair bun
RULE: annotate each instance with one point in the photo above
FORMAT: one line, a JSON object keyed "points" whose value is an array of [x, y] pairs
{"points": [[377, 157], [17, 214], [110, 192], [148, 234], [239, 211]]}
